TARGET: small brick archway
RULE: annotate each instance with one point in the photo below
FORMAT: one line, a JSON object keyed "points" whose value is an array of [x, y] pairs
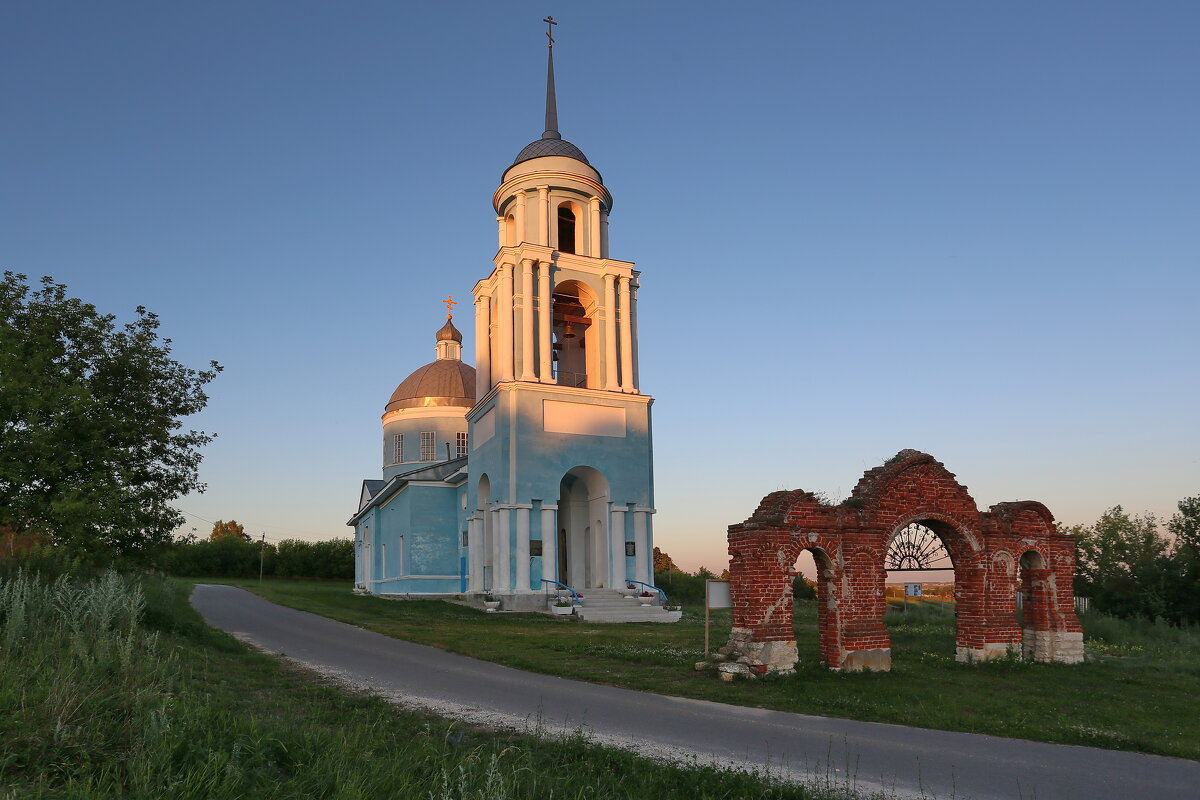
{"points": [[993, 552]]}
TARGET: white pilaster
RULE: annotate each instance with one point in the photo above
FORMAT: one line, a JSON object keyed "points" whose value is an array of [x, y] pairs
{"points": [[610, 333], [549, 544], [522, 550], [617, 548], [483, 349], [503, 580], [594, 227], [527, 315], [545, 323], [501, 232], [641, 524], [504, 325], [626, 339], [543, 212]]}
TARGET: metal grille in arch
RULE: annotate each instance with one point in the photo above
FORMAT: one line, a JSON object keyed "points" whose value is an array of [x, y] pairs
{"points": [[916, 548]]}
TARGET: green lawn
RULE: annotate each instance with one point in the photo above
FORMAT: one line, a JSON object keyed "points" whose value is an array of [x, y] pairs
{"points": [[1140, 689]]}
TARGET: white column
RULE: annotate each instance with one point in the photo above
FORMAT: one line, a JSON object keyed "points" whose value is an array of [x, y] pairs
{"points": [[527, 315], [641, 521], [604, 234], [483, 349], [594, 227], [549, 543], [494, 556], [522, 550], [504, 325], [543, 212], [610, 333], [617, 548], [475, 554], [545, 322], [502, 581], [501, 233], [626, 339], [519, 217], [633, 338]]}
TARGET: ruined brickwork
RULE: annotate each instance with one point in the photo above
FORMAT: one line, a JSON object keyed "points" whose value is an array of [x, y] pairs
{"points": [[992, 552]]}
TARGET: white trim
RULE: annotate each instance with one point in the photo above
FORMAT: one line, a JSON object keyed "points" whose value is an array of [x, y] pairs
{"points": [[418, 578]]}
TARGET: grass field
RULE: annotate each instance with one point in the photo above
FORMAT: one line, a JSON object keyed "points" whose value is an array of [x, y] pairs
{"points": [[1139, 690], [115, 688]]}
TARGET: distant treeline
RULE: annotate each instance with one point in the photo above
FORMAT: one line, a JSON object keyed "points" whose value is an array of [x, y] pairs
{"points": [[234, 557]]}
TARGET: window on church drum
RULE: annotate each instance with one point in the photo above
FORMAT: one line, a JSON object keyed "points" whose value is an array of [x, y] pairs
{"points": [[462, 444], [428, 446], [566, 229], [398, 448]]}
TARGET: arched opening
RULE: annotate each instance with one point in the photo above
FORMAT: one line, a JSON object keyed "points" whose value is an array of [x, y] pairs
{"points": [[813, 604], [583, 556], [575, 351], [1032, 606], [920, 588], [486, 549], [567, 228], [510, 231]]}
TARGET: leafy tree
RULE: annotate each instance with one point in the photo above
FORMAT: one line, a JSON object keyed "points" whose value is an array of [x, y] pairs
{"points": [[1183, 567], [91, 447], [803, 588], [231, 528], [663, 562], [1120, 563]]}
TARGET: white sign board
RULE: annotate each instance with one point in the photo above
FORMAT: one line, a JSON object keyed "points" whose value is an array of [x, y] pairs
{"points": [[717, 594], [912, 590]]}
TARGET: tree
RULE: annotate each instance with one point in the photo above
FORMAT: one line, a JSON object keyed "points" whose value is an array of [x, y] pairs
{"points": [[663, 562], [231, 528], [1120, 563], [1183, 567], [91, 447]]}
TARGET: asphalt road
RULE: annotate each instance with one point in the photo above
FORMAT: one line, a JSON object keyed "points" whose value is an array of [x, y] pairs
{"points": [[902, 761]]}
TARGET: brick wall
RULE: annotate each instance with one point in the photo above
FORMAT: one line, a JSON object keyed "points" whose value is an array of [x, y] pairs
{"points": [[991, 552]]}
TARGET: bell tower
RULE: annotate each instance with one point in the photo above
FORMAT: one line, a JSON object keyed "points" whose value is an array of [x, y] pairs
{"points": [[560, 458]]}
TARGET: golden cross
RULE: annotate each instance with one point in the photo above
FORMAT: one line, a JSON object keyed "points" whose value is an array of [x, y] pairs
{"points": [[549, 30], [450, 304]]}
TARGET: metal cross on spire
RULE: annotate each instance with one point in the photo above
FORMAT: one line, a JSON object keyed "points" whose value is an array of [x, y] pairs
{"points": [[550, 29], [450, 304], [551, 131]]}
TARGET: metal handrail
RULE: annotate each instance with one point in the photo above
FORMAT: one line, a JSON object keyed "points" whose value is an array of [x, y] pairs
{"points": [[661, 593], [576, 597]]}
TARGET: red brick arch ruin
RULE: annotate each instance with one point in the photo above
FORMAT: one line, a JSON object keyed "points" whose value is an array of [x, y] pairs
{"points": [[993, 552]]}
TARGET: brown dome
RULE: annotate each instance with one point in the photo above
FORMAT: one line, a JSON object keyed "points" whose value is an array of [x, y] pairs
{"points": [[446, 382], [449, 333]]}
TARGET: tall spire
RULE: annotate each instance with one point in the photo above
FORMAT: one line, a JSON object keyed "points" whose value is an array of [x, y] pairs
{"points": [[551, 131]]}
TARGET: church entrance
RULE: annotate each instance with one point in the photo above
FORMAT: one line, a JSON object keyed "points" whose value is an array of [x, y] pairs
{"points": [[583, 557]]}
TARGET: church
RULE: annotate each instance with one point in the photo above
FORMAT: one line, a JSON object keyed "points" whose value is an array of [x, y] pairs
{"points": [[531, 472]]}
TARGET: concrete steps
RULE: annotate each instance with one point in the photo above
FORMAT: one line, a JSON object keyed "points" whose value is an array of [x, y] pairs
{"points": [[609, 605]]}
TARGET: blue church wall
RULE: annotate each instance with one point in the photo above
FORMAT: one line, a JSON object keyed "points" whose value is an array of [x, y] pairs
{"points": [[444, 430], [545, 457]]}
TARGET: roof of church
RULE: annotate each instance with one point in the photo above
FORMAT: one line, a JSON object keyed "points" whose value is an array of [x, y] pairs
{"points": [[550, 147], [551, 143], [449, 333], [445, 382]]}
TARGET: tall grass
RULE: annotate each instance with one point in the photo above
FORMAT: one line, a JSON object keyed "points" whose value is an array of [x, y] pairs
{"points": [[94, 703]]}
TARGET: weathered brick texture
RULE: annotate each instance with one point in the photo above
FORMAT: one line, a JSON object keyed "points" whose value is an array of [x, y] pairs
{"points": [[992, 551]]}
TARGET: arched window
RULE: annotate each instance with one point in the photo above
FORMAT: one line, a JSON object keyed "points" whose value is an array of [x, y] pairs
{"points": [[510, 231], [575, 348], [566, 228]]}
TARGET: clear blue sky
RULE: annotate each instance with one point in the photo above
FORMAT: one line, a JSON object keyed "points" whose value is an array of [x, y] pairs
{"points": [[967, 228]]}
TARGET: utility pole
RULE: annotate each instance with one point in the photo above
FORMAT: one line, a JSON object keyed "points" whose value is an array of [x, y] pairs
{"points": [[262, 549]]}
